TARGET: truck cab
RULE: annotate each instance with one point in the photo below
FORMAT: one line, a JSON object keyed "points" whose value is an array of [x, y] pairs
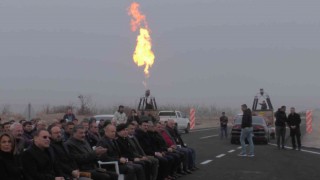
{"points": [[182, 122]]}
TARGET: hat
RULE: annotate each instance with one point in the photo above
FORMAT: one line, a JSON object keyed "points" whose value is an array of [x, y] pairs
{"points": [[121, 127]]}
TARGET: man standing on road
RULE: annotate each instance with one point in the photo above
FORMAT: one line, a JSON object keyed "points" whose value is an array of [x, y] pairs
{"points": [[281, 119], [223, 126], [294, 121], [246, 132]]}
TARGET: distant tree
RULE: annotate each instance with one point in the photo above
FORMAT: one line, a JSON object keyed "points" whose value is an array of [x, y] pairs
{"points": [[6, 109], [85, 102]]}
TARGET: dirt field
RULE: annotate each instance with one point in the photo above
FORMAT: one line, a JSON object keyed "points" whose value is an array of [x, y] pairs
{"points": [[49, 118]]}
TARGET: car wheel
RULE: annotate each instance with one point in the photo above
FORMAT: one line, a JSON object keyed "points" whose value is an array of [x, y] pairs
{"points": [[187, 130]]}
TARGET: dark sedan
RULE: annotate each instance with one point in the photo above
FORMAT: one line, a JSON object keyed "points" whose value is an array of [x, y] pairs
{"points": [[260, 130]]}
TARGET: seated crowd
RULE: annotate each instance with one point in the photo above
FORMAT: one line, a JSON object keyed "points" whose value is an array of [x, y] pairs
{"points": [[67, 149]]}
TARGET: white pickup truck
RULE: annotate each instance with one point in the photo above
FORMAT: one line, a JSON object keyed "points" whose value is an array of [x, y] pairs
{"points": [[182, 121]]}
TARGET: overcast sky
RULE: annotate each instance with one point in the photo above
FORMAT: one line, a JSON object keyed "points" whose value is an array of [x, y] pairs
{"points": [[207, 51]]}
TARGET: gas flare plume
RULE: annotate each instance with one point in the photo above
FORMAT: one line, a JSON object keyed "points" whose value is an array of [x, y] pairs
{"points": [[143, 55]]}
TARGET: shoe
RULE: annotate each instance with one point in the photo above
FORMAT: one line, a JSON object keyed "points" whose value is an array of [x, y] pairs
{"points": [[188, 172], [250, 155], [242, 155], [182, 173], [194, 169]]}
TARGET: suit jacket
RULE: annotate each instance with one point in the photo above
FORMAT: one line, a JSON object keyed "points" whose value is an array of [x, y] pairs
{"points": [[63, 158], [82, 153], [158, 142], [113, 153], [175, 135], [40, 164], [294, 120], [126, 149], [92, 138], [145, 142], [136, 145]]}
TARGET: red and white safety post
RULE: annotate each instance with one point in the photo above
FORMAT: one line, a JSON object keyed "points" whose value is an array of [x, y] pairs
{"points": [[309, 121], [192, 118]]}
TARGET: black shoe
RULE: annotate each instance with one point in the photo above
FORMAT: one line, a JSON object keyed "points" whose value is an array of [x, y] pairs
{"points": [[182, 173], [196, 168], [189, 172]]}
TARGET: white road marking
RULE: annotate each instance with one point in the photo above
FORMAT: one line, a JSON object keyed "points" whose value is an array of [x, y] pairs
{"points": [[206, 129], [239, 147], [220, 156], [205, 137], [231, 151], [312, 152], [206, 162]]}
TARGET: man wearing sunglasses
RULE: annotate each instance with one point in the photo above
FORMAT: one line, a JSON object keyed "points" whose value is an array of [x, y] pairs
{"points": [[38, 161]]}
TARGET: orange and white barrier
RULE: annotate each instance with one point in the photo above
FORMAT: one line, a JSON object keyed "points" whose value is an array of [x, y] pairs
{"points": [[309, 121], [192, 118]]}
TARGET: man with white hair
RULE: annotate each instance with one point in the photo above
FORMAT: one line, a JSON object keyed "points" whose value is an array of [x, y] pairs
{"points": [[181, 147], [17, 131]]}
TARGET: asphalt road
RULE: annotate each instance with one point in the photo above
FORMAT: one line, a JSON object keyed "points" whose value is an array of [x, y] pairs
{"points": [[220, 160]]}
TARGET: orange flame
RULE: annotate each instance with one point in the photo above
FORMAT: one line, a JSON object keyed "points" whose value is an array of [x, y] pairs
{"points": [[143, 55]]}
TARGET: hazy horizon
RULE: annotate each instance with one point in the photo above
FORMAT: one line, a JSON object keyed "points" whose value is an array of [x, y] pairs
{"points": [[207, 52]]}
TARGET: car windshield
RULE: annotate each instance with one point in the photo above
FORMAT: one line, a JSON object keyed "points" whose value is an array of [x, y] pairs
{"points": [[171, 113], [255, 120]]}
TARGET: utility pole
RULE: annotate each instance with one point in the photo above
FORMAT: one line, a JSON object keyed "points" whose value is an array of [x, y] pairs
{"points": [[29, 112]]}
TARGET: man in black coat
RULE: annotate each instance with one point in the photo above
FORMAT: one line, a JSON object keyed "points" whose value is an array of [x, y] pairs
{"points": [[190, 152], [86, 157], [161, 145], [38, 161], [128, 151], [281, 120], [68, 166], [147, 145], [294, 122], [130, 170], [138, 150], [93, 136]]}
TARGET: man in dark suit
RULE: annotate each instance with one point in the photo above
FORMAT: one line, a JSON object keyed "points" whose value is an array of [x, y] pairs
{"points": [[38, 161], [108, 141], [147, 145], [138, 150], [127, 150], [86, 157], [68, 166], [294, 122]]}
